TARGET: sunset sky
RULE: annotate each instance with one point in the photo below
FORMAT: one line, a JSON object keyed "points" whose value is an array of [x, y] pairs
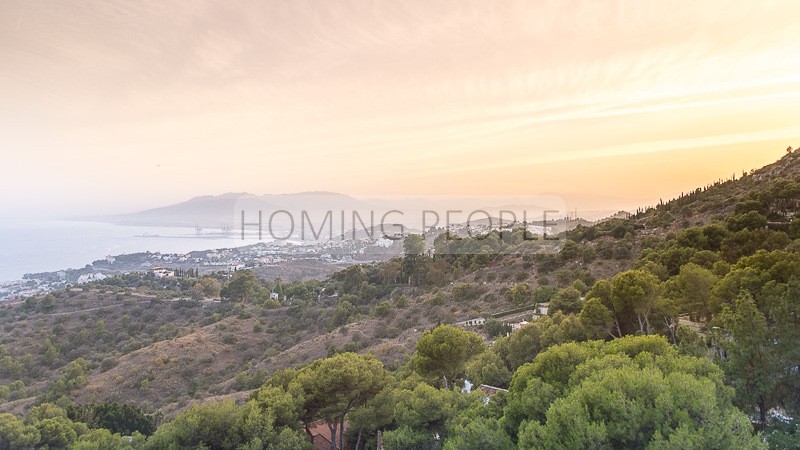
{"points": [[113, 106]]}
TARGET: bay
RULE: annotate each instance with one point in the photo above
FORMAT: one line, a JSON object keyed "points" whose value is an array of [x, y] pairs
{"points": [[31, 246]]}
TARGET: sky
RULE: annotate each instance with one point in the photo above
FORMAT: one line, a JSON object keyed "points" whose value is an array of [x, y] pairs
{"points": [[114, 106]]}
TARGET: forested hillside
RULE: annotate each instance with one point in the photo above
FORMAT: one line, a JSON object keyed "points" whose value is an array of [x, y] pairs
{"points": [[677, 327]]}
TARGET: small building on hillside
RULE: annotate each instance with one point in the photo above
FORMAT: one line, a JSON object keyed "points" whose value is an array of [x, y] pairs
{"points": [[321, 435], [488, 391], [161, 272], [88, 277], [518, 325], [542, 308], [491, 390]]}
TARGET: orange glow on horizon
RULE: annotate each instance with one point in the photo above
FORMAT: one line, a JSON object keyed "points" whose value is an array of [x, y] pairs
{"points": [[115, 106]]}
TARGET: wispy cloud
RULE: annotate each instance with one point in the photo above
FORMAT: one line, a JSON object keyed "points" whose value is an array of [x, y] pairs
{"points": [[328, 90]]}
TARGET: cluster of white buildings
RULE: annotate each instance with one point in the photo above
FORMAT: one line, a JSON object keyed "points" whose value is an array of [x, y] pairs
{"points": [[25, 288], [89, 277], [540, 310]]}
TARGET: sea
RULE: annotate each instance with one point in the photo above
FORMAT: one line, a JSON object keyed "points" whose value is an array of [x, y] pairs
{"points": [[32, 246]]}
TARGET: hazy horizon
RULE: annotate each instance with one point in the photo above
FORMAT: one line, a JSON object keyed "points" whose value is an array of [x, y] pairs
{"points": [[585, 206], [113, 107]]}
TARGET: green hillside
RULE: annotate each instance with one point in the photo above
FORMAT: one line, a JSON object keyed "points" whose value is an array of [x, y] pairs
{"points": [[677, 327]]}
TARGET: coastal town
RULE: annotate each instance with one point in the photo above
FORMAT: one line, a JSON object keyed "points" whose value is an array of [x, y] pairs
{"points": [[290, 261], [287, 259]]}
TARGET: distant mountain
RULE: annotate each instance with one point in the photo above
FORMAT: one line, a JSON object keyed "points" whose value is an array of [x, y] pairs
{"points": [[765, 186], [215, 211], [317, 201]]}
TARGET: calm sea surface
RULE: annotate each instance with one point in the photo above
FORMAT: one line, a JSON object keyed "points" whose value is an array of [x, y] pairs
{"points": [[28, 246]]}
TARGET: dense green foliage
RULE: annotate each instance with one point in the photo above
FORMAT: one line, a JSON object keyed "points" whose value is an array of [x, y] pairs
{"points": [[49, 426], [116, 417]]}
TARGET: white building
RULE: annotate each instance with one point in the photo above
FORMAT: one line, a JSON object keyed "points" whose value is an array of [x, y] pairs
{"points": [[542, 308], [87, 277], [161, 272], [518, 325]]}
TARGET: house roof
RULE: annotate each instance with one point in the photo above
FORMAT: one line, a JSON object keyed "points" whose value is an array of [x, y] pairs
{"points": [[491, 390], [321, 435]]}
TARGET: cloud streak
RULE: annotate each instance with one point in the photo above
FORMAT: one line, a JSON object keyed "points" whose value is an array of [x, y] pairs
{"points": [[359, 97]]}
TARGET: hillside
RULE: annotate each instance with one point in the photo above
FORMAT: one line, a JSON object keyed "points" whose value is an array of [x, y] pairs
{"points": [[165, 344], [771, 191]]}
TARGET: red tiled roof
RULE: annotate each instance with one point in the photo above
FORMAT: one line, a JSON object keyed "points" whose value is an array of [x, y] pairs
{"points": [[321, 435]]}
